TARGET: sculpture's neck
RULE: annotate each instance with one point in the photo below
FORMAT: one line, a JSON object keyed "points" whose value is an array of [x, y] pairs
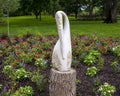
{"points": [[66, 28], [62, 23], [63, 31]]}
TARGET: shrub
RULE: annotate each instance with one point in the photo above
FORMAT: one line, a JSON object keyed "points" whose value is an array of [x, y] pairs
{"points": [[21, 74], [24, 91], [106, 89], [41, 63], [91, 58], [116, 50], [39, 80], [92, 71], [115, 65], [8, 69]]}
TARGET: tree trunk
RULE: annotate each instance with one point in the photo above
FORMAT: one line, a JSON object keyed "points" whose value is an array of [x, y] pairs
{"points": [[111, 11], [76, 14], [40, 16], [36, 16], [62, 83], [36, 12], [90, 11]]}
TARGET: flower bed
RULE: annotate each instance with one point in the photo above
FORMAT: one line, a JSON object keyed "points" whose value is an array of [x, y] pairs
{"points": [[25, 64]]}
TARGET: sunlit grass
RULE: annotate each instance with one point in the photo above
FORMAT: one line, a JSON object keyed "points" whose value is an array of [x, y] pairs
{"points": [[28, 24]]}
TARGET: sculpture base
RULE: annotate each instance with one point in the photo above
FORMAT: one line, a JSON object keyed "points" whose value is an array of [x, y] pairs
{"points": [[62, 83]]}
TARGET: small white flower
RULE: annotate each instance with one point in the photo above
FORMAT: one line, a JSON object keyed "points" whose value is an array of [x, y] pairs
{"points": [[18, 77], [113, 48], [25, 75]]}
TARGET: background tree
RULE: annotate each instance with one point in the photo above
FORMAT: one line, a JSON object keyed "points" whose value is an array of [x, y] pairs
{"points": [[91, 4], [9, 6], [71, 6], [37, 6], [75, 6], [54, 6], [119, 7], [66, 5], [24, 8], [111, 11]]}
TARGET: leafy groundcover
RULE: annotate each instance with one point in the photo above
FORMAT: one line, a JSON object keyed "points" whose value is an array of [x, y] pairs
{"points": [[25, 64]]}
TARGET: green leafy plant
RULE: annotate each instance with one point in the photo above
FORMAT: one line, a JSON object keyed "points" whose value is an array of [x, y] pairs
{"points": [[8, 69], [96, 82], [24, 91], [39, 80], [92, 71], [21, 74], [94, 53], [115, 65], [106, 89], [1, 87], [41, 63], [46, 45], [77, 81], [100, 63], [26, 57], [116, 50], [1, 53], [91, 58]]}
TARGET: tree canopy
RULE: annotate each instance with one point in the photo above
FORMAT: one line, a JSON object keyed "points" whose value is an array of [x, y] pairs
{"points": [[107, 9]]}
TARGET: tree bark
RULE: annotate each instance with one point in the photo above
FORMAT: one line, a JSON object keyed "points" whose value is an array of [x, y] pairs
{"points": [[76, 14], [62, 83], [111, 11], [40, 16], [90, 11]]}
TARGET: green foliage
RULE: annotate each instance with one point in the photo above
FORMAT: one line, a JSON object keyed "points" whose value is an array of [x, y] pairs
{"points": [[100, 63], [37, 6], [94, 53], [1, 87], [10, 5], [91, 58], [77, 81], [115, 65], [1, 53], [18, 74], [96, 82], [26, 57], [24, 91], [8, 69], [41, 63], [21, 74], [92, 71], [39, 80], [106, 89], [116, 50]]}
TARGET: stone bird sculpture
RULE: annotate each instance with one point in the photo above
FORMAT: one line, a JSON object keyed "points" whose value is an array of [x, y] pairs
{"points": [[62, 52]]}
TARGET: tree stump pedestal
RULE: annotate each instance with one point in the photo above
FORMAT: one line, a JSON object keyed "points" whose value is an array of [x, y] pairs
{"points": [[62, 83]]}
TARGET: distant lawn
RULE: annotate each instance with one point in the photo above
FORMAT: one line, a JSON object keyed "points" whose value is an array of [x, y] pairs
{"points": [[28, 24]]}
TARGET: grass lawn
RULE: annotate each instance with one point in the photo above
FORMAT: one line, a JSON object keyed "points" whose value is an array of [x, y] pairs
{"points": [[28, 24]]}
